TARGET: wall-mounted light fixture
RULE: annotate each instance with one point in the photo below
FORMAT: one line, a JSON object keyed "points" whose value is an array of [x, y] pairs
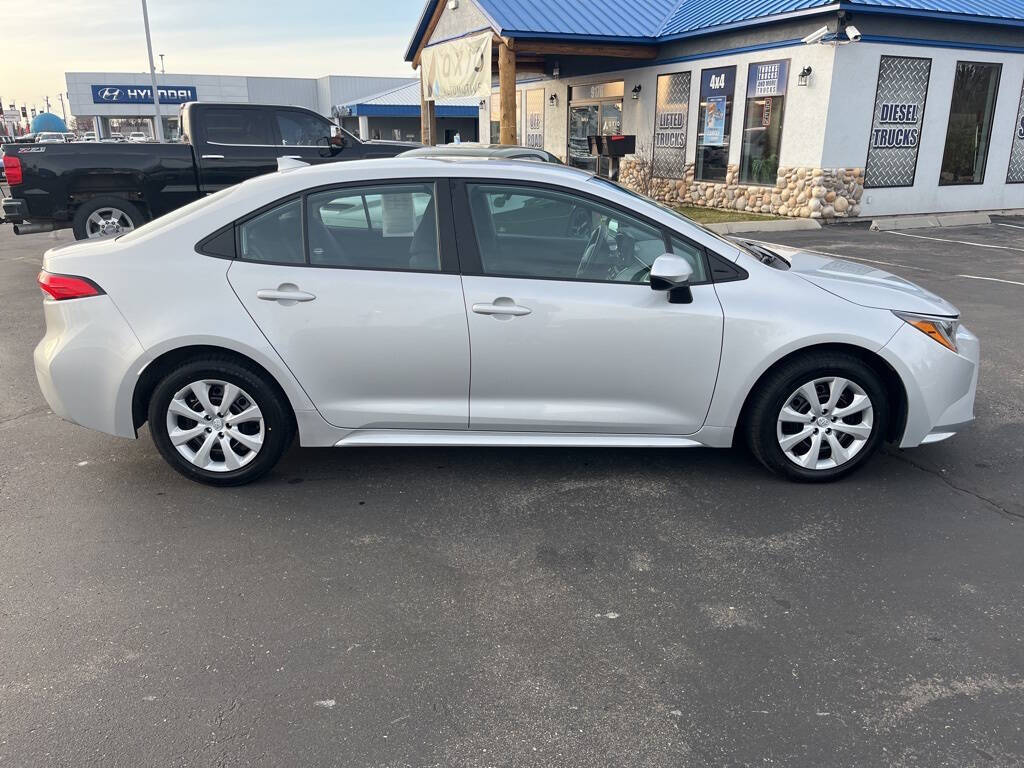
{"points": [[553, 100], [804, 77], [483, 104], [636, 91]]}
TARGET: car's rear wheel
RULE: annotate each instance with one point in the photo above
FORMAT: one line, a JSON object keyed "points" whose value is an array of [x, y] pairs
{"points": [[218, 422], [818, 418], [105, 217]]}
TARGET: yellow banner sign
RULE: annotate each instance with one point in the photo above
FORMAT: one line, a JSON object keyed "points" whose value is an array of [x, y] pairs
{"points": [[458, 68]]}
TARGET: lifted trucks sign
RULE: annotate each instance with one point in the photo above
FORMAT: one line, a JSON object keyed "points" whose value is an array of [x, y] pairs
{"points": [[142, 94]]}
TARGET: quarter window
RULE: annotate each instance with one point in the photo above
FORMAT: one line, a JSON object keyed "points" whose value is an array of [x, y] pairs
{"points": [[386, 227], [970, 123], [527, 232], [301, 130], [273, 236], [237, 126]]}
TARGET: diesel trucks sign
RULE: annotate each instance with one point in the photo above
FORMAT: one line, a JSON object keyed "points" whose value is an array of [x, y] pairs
{"points": [[142, 94], [896, 126]]}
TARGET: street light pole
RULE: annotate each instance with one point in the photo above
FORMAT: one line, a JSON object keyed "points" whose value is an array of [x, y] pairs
{"points": [[162, 70], [158, 123]]}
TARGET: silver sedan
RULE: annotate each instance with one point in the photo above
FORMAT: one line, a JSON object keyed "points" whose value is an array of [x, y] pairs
{"points": [[430, 302]]}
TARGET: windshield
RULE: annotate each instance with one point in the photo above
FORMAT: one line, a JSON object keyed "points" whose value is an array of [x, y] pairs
{"points": [[673, 211], [174, 216]]}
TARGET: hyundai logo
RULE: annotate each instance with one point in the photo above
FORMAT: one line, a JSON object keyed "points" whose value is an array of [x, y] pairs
{"points": [[110, 94]]}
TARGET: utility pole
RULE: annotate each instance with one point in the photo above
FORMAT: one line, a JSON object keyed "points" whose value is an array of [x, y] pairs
{"points": [[162, 71], [158, 123], [62, 112]]}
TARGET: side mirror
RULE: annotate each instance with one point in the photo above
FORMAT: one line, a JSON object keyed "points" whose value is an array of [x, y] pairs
{"points": [[673, 274]]}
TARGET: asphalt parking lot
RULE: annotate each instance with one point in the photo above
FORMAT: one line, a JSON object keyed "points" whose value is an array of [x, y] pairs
{"points": [[500, 607]]}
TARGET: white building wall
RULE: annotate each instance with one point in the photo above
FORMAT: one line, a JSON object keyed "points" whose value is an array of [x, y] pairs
{"points": [[849, 126]]}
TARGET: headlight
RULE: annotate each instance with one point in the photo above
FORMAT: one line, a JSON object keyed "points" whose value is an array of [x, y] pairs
{"points": [[942, 329]]}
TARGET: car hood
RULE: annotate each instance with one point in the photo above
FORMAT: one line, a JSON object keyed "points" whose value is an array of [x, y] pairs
{"points": [[863, 284]]}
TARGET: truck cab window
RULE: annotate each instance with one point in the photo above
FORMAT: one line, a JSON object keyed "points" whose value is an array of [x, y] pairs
{"points": [[236, 126], [302, 130]]}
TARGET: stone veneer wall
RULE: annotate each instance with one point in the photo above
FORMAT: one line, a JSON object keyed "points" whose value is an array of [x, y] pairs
{"points": [[816, 193]]}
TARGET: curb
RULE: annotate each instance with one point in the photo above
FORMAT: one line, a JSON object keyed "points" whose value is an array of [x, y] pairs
{"points": [[783, 225], [921, 222]]}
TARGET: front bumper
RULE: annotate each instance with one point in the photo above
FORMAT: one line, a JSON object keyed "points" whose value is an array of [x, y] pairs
{"points": [[83, 360], [940, 384]]}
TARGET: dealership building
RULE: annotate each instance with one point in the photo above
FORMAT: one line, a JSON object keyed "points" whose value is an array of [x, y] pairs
{"points": [[809, 108], [371, 107]]}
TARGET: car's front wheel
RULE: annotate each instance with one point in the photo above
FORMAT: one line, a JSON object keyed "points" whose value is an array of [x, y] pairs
{"points": [[218, 422], [819, 417]]}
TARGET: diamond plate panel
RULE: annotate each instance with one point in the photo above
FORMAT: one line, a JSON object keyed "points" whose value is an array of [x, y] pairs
{"points": [[1015, 175], [902, 84], [671, 116]]}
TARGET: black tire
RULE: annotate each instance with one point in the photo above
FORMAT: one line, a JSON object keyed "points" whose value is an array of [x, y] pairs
{"points": [[86, 209], [761, 421], [278, 419]]}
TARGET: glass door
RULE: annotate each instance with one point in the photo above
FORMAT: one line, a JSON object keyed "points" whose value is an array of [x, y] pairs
{"points": [[611, 124], [583, 122]]}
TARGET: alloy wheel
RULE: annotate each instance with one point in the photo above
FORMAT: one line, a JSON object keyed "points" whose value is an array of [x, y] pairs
{"points": [[825, 423], [108, 222], [215, 425]]}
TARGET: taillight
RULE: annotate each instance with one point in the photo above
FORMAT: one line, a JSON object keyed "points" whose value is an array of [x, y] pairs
{"points": [[12, 170], [60, 287]]}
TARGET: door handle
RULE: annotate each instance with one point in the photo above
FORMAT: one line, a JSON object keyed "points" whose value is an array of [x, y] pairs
{"points": [[501, 306], [285, 294], [213, 157]]}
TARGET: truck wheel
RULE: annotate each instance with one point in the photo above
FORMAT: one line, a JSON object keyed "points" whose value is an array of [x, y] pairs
{"points": [[105, 217]]}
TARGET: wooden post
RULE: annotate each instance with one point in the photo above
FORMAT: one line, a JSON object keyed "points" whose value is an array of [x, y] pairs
{"points": [[428, 118], [507, 92]]}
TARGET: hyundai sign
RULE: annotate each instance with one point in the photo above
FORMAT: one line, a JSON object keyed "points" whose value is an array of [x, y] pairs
{"points": [[142, 94]]}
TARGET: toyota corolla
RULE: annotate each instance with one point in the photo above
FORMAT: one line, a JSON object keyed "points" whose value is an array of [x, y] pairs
{"points": [[434, 302]]}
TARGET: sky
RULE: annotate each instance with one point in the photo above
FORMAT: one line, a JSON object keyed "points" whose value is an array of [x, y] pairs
{"points": [[298, 38]]}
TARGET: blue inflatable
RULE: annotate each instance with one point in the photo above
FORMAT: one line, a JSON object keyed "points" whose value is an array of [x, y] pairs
{"points": [[47, 121]]}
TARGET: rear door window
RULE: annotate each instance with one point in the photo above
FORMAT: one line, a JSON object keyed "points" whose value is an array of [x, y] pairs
{"points": [[237, 126]]}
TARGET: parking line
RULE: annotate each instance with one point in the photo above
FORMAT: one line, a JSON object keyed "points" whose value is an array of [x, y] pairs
{"points": [[993, 279], [958, 242], [1012, 226]]}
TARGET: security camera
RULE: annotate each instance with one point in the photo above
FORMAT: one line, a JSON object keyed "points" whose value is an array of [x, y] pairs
{"points": [[815, 36], [852, 33]]}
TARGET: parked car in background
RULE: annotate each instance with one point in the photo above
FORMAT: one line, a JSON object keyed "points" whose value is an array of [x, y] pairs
{"points": [[475, 149], [105, 190], [50, 137], [421, 302], [88, 136], [70, 136], [138, 136], [116, 136]]}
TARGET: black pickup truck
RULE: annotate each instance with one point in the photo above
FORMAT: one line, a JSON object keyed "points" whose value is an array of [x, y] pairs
{"points": [[103, 189]]}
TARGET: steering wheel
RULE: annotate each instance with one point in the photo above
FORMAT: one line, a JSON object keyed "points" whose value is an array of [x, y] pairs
{"points": [[596, 252]]}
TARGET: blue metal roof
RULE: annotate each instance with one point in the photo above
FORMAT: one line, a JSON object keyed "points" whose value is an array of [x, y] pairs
{"points": [[404, 101], [651, 21]]}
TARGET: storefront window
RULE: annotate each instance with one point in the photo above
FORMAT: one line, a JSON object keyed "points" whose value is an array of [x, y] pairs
{"points": [[716, 89], [762, 122], [970, 123]]}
